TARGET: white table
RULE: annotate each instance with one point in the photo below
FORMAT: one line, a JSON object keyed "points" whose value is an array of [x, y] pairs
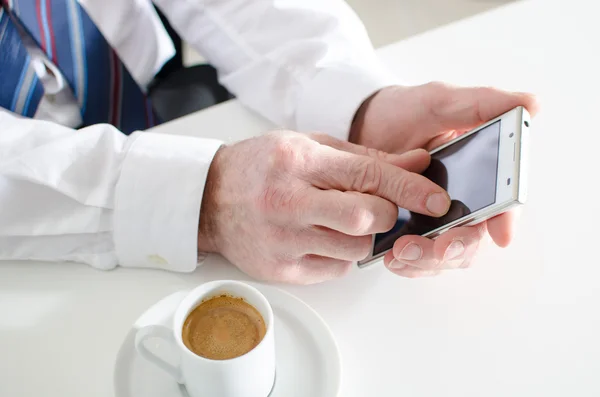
{"points": [[524, 322]]}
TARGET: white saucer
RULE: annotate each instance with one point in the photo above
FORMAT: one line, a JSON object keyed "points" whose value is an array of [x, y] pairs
{"points": [[308, 360]]}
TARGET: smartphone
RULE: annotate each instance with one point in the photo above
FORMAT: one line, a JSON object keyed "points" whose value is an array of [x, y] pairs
{"points": [[483, 171]]}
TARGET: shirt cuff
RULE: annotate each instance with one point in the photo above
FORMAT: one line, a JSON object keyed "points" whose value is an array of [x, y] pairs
{"points": [[157, 201], [331, 99]]}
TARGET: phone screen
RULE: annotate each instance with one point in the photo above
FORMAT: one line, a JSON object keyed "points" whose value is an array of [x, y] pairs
{"points": [[468, 170]]}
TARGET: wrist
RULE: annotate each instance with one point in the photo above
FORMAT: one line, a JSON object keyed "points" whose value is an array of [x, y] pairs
{"points": [[358, 122], [207, 225], [362, 118], [374, 118]]}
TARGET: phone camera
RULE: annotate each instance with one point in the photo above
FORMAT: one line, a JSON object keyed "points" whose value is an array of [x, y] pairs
{"points": [[508, 181], [511, 135], [526, 123]]}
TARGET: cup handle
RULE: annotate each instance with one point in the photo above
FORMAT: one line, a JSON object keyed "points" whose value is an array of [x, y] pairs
{"points": [[164, 333]]}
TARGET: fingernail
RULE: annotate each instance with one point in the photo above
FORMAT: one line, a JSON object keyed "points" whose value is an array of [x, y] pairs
{"points": [[454, 250], [438, 203], [396, 265], [411, 252]]}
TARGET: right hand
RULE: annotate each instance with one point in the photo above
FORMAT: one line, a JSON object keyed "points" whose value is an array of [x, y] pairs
{"points": [[289, 207]]}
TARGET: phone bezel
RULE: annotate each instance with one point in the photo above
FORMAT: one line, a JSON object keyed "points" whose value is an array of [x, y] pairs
{"points": [[512, 152]]}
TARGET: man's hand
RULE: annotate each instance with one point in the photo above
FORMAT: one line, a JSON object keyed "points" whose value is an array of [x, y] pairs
{"points": [[292, 208], [397, 119]]}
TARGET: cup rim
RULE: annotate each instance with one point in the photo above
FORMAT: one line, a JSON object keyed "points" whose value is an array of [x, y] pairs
{"points": [[184, 306]]}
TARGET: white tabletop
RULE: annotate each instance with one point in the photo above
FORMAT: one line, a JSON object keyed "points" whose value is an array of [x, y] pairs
{"points": [[523, 322]]}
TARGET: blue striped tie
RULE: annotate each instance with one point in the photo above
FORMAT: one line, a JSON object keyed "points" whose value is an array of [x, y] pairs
{"points": [[104, 89], [20, 88]]}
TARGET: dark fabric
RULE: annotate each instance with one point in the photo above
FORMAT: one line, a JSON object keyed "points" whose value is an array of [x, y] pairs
{"points": [[177, 90], [186, 91], [176, 63]]}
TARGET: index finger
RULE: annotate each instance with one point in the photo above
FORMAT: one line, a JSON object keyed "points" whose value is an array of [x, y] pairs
{"points": [[416, 160], [334, 169]]}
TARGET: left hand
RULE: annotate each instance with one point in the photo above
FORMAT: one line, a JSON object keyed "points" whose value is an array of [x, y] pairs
{"points": [[397, 119]]}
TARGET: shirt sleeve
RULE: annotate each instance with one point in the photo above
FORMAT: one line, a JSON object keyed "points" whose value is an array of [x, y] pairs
{"points": [[304, 64], [99, 197]]}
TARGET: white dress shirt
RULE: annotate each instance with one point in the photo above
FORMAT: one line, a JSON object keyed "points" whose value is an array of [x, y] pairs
{"points": [[99, 197]]}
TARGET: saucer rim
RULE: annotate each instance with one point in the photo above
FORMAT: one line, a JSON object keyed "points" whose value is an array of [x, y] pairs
{"points": [[121, 378]]}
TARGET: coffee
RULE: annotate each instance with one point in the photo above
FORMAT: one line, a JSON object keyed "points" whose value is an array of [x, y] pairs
{"points": [[223, 327]]}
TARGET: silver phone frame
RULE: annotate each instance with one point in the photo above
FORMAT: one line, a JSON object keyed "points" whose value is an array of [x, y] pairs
{"points": [[518, 175]]}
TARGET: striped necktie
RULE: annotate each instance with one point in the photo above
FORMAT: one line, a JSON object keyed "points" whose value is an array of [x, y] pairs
{"points": [[20, 88], [104, 89]]}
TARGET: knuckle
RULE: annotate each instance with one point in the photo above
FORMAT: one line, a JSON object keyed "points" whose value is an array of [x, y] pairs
{"points": [[377, 154], [284, 155], [406, 189], [438, 86], [359, 220], [368, 180], [294, 155], [438, 96]]}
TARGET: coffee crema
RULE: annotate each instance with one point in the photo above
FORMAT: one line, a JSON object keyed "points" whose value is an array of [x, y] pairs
{"points": [[223, 327]]}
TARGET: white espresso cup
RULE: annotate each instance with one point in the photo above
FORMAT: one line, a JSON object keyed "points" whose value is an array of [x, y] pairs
{"points": [[249, 375]]}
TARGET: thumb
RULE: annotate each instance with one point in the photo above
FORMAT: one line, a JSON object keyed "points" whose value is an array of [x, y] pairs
{"points": [[462, 108], [414, 160]]}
